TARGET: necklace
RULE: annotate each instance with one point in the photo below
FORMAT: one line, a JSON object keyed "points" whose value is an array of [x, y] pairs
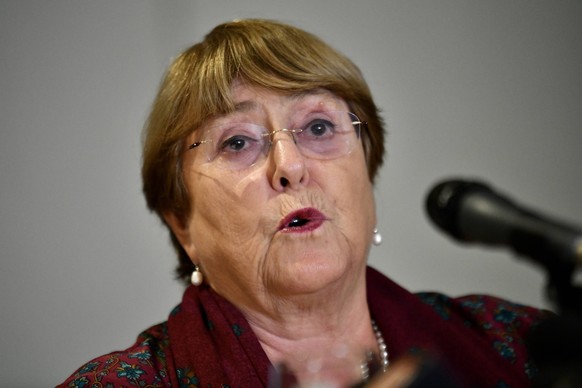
{"points": [[371, 365]]}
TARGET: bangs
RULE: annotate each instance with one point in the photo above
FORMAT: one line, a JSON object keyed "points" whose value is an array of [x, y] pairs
{"points": [[289, 61]]}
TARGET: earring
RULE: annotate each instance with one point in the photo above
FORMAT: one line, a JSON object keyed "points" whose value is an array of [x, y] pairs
{"points": [[197, 278], [377, 238]]}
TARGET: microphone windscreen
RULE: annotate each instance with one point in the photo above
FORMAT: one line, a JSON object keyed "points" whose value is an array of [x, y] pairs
{"points": [[443, 203]]}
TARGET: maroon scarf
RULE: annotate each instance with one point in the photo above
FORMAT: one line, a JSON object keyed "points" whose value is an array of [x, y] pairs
{"points": [[211, 343]]}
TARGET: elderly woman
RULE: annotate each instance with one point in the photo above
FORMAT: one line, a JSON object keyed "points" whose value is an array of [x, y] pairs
{"points": [[260, 155]]}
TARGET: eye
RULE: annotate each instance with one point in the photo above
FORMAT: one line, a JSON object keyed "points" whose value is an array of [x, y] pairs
{"points": [[319, 128], [238, 142], [235, 143]]}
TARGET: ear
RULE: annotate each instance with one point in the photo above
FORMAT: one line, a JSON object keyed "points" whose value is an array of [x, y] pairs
{"points": [[182, 233]]}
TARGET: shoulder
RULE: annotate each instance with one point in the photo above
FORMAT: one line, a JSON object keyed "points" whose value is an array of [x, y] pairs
{"points": [[142, 364], [483, 310], [503, 324]]}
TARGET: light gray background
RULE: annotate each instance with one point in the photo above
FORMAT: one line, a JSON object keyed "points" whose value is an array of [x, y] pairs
{"points": [[488, 89]]}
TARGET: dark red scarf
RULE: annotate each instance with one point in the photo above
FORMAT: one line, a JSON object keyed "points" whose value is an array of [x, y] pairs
{"points": [[212, 344]]}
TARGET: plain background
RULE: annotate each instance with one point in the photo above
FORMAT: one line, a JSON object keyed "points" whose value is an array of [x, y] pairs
{"points": [[473, 89]]}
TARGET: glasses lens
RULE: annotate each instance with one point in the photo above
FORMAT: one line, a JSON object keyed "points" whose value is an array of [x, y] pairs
{"points": [[328, 135], [235, 146]]}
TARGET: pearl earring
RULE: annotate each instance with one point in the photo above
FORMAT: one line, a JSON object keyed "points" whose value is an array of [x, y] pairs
{"points": [[377, 238], [197, 278]]}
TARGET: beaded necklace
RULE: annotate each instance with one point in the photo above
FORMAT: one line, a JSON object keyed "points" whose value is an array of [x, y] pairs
{"points": [[371, 365]]}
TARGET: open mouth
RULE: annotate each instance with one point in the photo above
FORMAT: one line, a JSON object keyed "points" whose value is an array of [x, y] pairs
{"points": [[297, 222], [302, 220]]}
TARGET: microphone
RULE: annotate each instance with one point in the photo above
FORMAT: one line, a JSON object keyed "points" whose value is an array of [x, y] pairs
{"points": [[471, 212]]}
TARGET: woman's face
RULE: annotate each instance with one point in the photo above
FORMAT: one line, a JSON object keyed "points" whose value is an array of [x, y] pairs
{"points": [[286, 225]]}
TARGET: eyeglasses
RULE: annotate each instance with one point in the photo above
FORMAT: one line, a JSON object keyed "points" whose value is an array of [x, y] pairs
{"points": [[324, 135]]}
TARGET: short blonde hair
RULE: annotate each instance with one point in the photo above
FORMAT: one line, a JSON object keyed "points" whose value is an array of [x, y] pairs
{"points": [[198, 84]]}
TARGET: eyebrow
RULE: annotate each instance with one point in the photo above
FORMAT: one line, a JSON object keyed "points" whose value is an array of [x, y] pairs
{"points": [[245, 106], [249, 105]]}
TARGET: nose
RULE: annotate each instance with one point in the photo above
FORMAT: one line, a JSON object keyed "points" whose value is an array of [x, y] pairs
{"points": [[287, 164]]}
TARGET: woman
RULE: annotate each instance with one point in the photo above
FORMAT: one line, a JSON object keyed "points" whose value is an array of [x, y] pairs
{"points": [[260, 155]]}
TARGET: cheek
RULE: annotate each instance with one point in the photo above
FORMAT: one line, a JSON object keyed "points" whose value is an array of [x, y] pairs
{"points": [[355, 197], [353, 200], [226, 219], [219, 203]]}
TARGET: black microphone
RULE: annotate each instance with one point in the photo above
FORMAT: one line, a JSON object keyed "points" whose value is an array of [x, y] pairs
{"points": [[471, 212]]}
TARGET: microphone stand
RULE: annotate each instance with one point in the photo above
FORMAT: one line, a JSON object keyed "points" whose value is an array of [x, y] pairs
{"points": [[560, 290], [556, 343]]}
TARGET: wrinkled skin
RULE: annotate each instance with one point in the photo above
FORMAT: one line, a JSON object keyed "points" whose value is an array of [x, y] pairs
{"points": [[234, 231]]}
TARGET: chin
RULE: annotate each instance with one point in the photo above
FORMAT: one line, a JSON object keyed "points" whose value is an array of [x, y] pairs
{"points": [[313, 275]]}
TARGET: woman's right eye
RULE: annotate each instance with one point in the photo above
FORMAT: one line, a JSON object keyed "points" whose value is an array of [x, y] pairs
{"points": [[239, 143], [234, 143]]}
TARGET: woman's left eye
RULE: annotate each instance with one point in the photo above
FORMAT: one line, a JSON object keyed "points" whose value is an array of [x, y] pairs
{"points": [[320, 128]]}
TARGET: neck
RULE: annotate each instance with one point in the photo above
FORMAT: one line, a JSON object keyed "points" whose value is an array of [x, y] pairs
{"points": [[326, 339]]}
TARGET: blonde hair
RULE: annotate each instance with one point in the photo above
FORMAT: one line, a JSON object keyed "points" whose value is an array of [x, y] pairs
{"points": [[197, 86]]}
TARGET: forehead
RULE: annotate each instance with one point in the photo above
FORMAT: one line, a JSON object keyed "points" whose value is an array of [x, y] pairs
{"points": [[254, 99]]}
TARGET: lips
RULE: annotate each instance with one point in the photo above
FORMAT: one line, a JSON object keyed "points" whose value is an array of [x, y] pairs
{"points": [[303, 220]]}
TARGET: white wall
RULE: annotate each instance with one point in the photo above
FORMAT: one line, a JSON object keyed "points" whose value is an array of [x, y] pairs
{"points": [[473, 89]]}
